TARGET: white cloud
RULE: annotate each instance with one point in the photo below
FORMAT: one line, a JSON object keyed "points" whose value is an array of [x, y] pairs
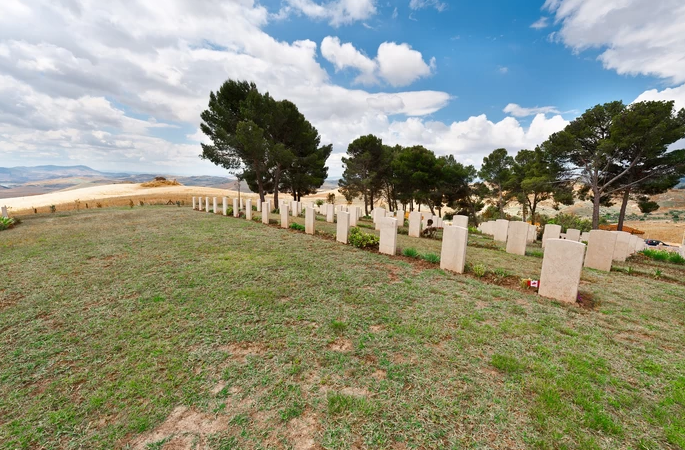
{"points": [[400, 65], [337, 12], [503, 70], [395, 13], [644, 37], [420, 4], [519, 111], [397, 64], [121, 86], [346, 55], [542, 22], [676, 94]]}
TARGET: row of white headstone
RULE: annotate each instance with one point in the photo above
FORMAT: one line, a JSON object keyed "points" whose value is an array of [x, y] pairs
{"points": [[5, 214], [517, 235], [562, 263]]}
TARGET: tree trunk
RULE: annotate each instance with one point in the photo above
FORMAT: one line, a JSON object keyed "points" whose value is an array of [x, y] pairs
{"points": [[595, 208], [501, 206], [277, 176], [624, 205]]}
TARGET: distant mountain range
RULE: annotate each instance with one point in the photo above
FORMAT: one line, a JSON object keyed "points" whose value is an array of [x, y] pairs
{"points": [[24, 181]]}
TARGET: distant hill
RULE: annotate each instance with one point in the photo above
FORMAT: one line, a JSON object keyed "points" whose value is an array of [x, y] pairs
{"points": [[26, 181]]}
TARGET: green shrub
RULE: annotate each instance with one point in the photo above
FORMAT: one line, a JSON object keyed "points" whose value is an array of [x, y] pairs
{"points": [[479, 270], [410, 252], [360, 239], [6, 222], [53, 208], [431, 258], [296, 226], [675, 258], [658, 255], [319, 202]]}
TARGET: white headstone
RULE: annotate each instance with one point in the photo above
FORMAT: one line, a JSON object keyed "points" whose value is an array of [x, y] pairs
{"points": [[517, 238], [343, 227], [215, 208], [354, 215], [460, 221], [259, 205], [415, 224], [284, 215], [236, 210], [309, 220], [573, 235], [225, 206], [532, 232], [600, 250], [330, 214], [248, 209], [294, 208], [621, 250], [206, 204], [552, 231], [388, 239], [194, 202], [501, 230], [562, 265], [453, 254], [266, 209], [378, 214]]}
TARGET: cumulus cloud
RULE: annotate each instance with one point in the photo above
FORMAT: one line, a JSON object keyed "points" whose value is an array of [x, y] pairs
{"points": [[397, 64], [400, 65], [637, 36], [337, 12], [519, 111], [121, 86]]}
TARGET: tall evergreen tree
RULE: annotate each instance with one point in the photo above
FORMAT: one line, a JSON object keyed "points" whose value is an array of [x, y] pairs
{"points": [[496, 170], [363, 169]]}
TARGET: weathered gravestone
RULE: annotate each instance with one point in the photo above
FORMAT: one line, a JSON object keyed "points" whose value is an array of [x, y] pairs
{"points": [[414, 224], [206, 204], [294, 207], [225, 206], [248, 209], [259, 205], [343, 227], [460, 221], [517, 237], [354, 215], [621, 248], [330, 214], [236, 209], [532, 233], [215, 208], [600, 250], [284, 215], [501, 230], [378, 214], [388, 239], [309, 220], [573, 235], [562, 265], [453, 253], [266, 209], [194, 202], [551, 232]]}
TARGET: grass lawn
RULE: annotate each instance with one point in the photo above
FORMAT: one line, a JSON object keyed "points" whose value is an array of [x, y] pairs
{"points": [[162, 327]]}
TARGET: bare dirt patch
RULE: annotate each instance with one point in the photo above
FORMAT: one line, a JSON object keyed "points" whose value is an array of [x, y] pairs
{"points": [[242, 350], [302, 431], [379, 375], [183, 426], [341, 345], [377, 328]]}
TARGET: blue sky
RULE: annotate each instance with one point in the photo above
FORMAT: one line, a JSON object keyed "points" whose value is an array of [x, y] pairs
{"points": [[120, 86]]}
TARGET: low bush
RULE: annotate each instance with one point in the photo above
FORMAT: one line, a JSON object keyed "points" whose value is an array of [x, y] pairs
{"points": [[479, 270], [296, 226], [360, 239], [6, 223], [431, 258], [663, 255], [410, 252]]}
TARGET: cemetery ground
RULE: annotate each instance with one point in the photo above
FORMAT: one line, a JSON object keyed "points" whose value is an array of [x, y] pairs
{"points": [[163, 327]]}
